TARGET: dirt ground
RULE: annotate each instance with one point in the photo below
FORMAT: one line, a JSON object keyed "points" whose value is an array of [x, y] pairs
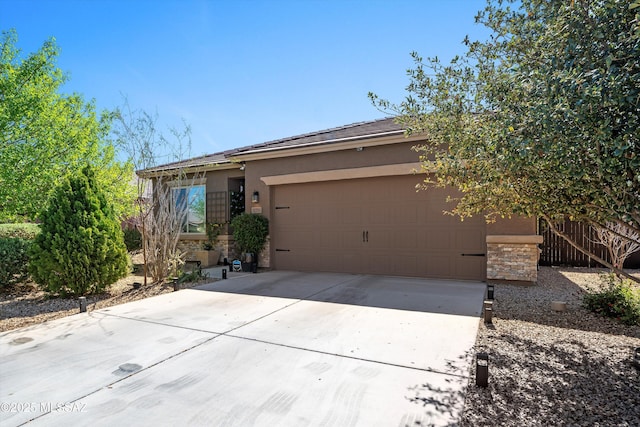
{"points": [[26, 305]]}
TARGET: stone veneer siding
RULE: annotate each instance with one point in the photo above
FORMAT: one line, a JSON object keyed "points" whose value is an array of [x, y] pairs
{"points": [[226, 245], [194, 244], [513, 258], [189, 246]]}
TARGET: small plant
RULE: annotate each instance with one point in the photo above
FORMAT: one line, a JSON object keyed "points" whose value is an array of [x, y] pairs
{"points": [[192, 276], [213, 231], [175, 263], [620, 300]]}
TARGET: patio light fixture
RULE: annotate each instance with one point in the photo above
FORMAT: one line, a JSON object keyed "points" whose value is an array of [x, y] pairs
{"points": [[255, 198]]}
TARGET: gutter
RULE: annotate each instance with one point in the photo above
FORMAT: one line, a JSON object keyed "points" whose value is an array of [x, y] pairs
{"points": [[238, 153], [203, 167]]}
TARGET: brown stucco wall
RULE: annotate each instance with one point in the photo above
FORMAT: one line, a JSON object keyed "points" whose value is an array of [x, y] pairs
{"points": [[507, 258], [344, 159], [218, 180], [516, 225]]}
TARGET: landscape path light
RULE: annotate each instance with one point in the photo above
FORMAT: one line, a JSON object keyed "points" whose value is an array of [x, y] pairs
{"points": [[490, 289], [488, 311], [482, 369]]}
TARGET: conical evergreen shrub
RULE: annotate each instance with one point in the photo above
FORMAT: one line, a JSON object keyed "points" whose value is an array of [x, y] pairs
{"points": [[80, 249]]}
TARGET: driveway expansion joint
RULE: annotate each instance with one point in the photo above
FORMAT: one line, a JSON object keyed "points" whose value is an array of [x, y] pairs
{"points": [[361, 359], [294, 302]]}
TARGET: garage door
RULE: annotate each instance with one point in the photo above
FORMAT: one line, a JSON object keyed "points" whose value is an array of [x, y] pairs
{"points": [[374, 226]]}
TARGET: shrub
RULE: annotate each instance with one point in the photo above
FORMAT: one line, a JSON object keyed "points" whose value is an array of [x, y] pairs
{"points": [[27, 231], [132, 239], [192, 276], [15, 240], [81, 247], [13, 261], [620, 300], [250, 232]]}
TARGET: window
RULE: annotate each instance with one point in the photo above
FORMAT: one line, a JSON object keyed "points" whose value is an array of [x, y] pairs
{"points": [[190, 205]]}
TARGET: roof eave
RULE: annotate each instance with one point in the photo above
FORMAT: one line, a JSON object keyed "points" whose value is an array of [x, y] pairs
{"points": [[339, 144], [172, 170]]}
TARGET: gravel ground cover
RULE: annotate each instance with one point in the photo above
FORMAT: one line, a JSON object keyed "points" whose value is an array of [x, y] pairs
{"points": [[550, 368], [25, 305]]}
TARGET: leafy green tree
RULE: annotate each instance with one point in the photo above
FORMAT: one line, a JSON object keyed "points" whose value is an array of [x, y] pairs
{"points": [[45, 135], [81, 248], [540, 119]]}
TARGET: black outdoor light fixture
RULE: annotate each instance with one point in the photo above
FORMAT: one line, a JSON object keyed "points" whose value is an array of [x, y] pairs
{"points": [[255, 198], [490, 292], [482, 369], [83, 304]]}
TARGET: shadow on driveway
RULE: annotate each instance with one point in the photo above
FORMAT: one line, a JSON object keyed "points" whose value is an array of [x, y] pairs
{"points": [[454, 297]]}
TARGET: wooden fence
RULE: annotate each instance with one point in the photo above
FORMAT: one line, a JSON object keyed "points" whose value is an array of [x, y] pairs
{"points": [[557, 251]]}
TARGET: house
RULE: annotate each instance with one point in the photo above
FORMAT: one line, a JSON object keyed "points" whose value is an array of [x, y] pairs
{"points": [[345, 200]]}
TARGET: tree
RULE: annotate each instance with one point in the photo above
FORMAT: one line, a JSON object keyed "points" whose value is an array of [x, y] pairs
{"points": [[81, 246], [158, 217], [541, 119], [620, 241], [46, 136]]}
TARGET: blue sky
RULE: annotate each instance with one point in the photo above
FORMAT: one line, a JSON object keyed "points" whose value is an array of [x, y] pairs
{"points": [[247, 71]]}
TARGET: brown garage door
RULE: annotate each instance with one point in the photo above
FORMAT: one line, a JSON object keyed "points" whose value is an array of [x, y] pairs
{"points": [[374, 226]]}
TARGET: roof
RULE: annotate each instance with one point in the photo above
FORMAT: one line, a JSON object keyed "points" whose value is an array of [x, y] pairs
{"points": [[354, 131], [208, 160], [369, 129]]}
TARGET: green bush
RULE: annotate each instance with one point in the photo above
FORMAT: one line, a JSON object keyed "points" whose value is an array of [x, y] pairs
{"points": [[81, 248], [250, 232], [13, 261], [27, 231], [621, 300], [132, 239], [192, 276]]}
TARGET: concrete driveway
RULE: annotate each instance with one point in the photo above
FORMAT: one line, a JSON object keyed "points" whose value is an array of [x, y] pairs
{"points": [[275, 348]]}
